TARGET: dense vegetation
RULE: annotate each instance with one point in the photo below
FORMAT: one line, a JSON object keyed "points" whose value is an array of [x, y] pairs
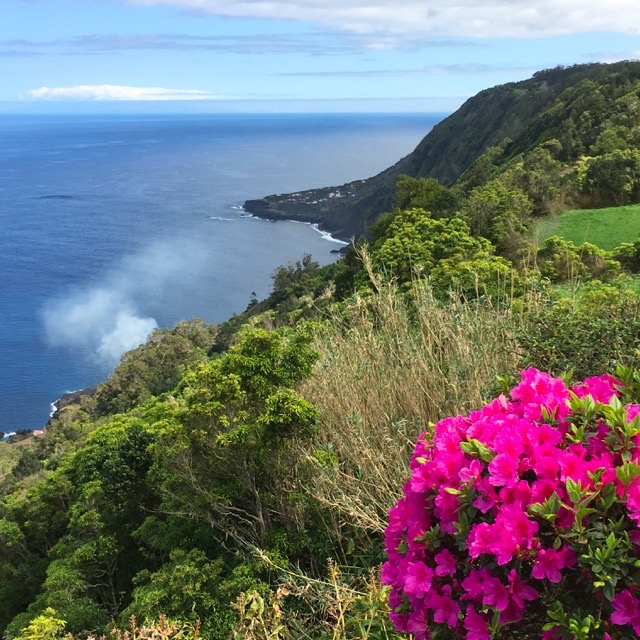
{"points": [[235, 481], [566, 135]]}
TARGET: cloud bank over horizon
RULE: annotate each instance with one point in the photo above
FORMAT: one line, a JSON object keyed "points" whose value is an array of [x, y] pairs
{"points": [[419, 18], [109, 92]]}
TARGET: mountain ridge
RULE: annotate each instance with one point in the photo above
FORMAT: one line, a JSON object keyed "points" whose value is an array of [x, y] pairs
{"points": [[519, 114]]}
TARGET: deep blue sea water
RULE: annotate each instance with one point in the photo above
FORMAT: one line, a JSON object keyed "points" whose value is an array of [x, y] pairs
{"points": [[112, 225]]}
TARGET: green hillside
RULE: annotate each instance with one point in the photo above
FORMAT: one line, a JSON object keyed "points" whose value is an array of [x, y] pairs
{"points": [[607, 228], [239, 481], [584, 115]]}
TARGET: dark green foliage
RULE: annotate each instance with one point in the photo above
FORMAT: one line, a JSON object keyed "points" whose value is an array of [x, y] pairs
{"points": [[300, 290], [182, 484], [588, 335], [541, 176], [294, 281], [212, 462], [154, 367], [414, 244], [31, 523], [422, 193], [546, 123], [188, 587], [612, 178], [497, 213], [628, 255], [222, 452], [561, 261], [27, 464]]}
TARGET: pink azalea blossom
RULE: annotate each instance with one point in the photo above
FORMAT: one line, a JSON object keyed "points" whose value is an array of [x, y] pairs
{"points": [[495, 594], [473, 584], [476, 625], [445, 563], [600, 388], [625, 608], [520, 591], [446, 611], [548, 565], [503, 470], [418, 578], [439, 546], [418, 624], [633, 502]]}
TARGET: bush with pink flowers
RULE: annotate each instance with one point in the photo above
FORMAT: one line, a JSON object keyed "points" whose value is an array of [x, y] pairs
{"points": [[523, 519]]}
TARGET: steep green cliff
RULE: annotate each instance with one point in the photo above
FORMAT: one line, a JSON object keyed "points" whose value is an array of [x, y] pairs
{"points": [[573, 105]]}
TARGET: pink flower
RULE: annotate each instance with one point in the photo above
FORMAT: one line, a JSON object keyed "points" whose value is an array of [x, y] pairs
{"points": [[473, 471], [532, 460], [548, 564], [600, 388], [417, 582], [487, 496], [473, 584], [519, 590], [446, 509], [495, 594], [632, 411], [389, 573], [633, 503], [476, 625], [503, 471], [538, 390], [418, 624], [445, 563], [625, 608], [446, 611]]}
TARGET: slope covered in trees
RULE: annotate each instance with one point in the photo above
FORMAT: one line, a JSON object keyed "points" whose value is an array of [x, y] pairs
{"points": [[585, 115], [238, 479]]}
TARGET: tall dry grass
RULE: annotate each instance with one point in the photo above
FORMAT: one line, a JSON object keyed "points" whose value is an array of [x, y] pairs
{"points": [[391, 364]]}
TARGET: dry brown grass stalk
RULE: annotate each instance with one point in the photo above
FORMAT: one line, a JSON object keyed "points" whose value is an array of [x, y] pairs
{"points": [[391, 364]]}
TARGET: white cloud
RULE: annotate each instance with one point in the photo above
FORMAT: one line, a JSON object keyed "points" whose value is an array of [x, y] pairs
{"points": [[465, 18], [115, 92]]}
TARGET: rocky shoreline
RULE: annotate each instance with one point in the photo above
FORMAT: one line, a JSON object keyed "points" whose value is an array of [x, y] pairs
{"points": [[67, 399], [325, 207]]}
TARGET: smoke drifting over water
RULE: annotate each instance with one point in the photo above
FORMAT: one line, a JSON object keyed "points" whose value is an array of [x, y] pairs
{"points": [[99, 322], [105, 321]]}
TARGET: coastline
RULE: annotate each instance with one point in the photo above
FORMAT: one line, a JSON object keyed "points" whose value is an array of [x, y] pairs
{"points": [[330, 208], [271, 215]]}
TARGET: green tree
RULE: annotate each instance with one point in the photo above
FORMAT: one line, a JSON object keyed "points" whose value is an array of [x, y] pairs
{"points": [[586, 335], [628, 255], [443, 250], [190, 588], [498, 213], [225, 457], [612, 178], [560, 261], [44, 627], [427, 194], [154, 367]]}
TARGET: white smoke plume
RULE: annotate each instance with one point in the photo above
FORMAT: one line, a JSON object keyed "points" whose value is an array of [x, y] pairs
{"points": [[100, 323], [105, 320]]}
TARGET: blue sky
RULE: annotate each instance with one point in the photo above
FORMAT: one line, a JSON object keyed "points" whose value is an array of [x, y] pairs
{"points": [[293, 55]]}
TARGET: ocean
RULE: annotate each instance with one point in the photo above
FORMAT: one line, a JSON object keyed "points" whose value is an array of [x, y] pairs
{"points": [[111, 226]]}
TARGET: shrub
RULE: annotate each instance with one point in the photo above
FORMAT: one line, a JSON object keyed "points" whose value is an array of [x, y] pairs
{"points": [[44, 627], [525, 512], [561, 261], [594, 331]]}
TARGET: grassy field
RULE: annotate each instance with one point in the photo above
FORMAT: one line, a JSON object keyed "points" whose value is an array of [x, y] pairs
{"points": [[606, 228]]}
